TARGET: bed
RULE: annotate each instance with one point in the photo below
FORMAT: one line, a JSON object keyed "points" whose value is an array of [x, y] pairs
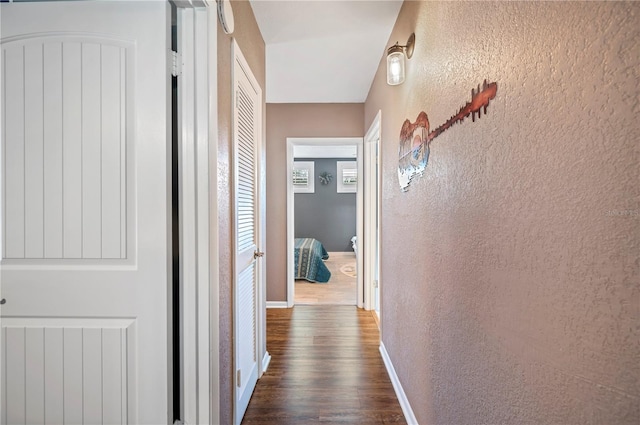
{"points": [[308, 256]]}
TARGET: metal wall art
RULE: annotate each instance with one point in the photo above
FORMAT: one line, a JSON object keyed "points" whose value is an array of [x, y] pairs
{"points": [[325, 178], [415, 137]]}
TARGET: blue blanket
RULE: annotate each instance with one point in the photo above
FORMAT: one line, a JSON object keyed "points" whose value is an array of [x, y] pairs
{"points": [[308, 255]]}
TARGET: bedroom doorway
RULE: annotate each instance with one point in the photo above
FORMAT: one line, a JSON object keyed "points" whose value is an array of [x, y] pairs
{"points": [[341, 158]]}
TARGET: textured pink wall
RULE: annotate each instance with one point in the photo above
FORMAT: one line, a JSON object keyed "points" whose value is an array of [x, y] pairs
{"points": [[248, 36], [295, 120], [510, 271]]}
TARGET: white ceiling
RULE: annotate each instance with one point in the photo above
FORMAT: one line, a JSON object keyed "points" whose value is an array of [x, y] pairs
{"points": [[323, 51]]}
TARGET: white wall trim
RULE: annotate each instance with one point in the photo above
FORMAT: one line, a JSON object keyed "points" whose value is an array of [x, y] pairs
{"points": [[265, 362], [277, 304], [212, 326], [372, 209], [197, 45], [318, 141], [188, 217], [397, 386]]}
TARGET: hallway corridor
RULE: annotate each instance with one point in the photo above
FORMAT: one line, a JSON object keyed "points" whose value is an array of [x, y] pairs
{"points": [[325, 368]]}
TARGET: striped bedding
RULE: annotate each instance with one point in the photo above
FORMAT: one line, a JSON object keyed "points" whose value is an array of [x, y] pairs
{"points": [[308, 255]]}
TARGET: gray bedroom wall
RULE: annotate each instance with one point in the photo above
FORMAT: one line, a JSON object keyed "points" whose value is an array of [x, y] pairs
{"points": [[326, 215]]}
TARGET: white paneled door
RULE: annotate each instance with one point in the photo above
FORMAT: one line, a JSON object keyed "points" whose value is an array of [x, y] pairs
{"points": [[247, 134], [84, 169]]}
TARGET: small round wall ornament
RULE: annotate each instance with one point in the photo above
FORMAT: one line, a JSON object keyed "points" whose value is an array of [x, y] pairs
{"points": [[225, 15], [325, 178]]}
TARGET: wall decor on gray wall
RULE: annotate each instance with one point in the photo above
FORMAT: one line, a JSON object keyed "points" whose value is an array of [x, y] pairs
{"points": [[326, 215], [325, 177]]}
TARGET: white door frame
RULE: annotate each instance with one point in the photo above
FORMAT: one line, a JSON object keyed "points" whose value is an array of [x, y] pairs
{"points": [[322, 141], [197, 121], [372, 183]]}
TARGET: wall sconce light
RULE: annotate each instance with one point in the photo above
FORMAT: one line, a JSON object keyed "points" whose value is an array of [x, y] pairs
{"points": [[395, 60]]}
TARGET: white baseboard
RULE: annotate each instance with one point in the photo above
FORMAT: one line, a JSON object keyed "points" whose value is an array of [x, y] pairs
{"points": [[397, 386], [265, 362], [277, 304]]}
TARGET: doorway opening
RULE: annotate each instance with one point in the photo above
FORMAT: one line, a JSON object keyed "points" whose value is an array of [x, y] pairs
{"points": [[341, 158], [325, 210]]}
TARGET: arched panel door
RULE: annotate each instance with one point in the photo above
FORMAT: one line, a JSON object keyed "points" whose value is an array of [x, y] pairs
{"points": [[84, 268]]}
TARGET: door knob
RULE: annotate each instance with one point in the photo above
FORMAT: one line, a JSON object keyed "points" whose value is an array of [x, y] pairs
{"points": [[257, 254], [3, 301]]}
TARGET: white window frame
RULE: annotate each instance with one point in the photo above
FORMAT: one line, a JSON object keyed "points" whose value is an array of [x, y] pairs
{"points": [[310, 167], [341, 167]]}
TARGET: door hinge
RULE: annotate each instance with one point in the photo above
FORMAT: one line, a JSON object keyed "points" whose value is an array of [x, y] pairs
{"points": [[238, 376], [375, 283], [175, 65]]}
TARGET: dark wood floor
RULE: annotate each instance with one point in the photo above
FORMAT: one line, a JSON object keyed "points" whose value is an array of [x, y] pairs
{"points": [[325, 368]]}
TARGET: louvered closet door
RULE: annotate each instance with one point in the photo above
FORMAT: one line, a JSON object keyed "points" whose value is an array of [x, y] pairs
{"points": [[83, 172], [247, 110]]}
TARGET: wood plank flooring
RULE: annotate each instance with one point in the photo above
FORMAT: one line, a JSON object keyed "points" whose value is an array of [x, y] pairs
{"points": [[341, 288], [325, 369]]}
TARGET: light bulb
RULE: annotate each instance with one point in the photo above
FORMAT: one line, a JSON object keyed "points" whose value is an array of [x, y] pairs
{"points": [[395, 68]]}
